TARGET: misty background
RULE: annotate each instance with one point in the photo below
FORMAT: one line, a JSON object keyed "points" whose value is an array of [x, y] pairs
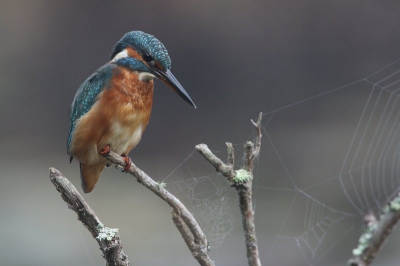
{"points": [[234, 58]]}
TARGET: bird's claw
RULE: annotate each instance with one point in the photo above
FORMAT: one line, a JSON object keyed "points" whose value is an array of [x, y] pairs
{"points": [[128, 163], [105, 150]]}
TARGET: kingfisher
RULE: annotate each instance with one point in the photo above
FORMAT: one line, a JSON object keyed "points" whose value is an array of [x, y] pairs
{"points": [[112, 107]]}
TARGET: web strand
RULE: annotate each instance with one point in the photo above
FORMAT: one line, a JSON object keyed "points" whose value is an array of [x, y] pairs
{"points": [[325, 162]]}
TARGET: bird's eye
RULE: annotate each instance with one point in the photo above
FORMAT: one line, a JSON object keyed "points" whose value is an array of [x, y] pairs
{"points": [[149, 59]]}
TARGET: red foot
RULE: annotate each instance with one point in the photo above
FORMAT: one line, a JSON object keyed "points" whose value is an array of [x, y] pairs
{"points": [[105, 150], [128, 163]]}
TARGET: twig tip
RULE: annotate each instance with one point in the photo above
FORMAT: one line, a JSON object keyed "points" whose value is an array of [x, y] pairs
{"points": [[200, 146], [53, 172]]}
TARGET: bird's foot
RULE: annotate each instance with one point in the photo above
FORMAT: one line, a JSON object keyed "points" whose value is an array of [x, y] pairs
{"points": [[105, 150], [128, 163]]}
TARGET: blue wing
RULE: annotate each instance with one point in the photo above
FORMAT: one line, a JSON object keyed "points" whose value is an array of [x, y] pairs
{"points": [[86, 96]]}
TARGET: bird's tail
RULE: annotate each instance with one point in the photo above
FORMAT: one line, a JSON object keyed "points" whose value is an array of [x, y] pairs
{"points": [[90, 173]]}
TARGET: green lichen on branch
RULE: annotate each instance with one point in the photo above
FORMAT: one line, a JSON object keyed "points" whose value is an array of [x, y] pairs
{"points": [[364, 241], [162, 184], [105, 232], [242, 176], [395, 204], [376, 233]]}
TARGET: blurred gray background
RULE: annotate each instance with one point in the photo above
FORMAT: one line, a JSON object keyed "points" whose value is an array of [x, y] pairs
{"points": [[235, 59]]}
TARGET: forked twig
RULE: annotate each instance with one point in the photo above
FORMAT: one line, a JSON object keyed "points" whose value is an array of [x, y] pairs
{"points": [[109, 239], [183, 219], [242, 180]]}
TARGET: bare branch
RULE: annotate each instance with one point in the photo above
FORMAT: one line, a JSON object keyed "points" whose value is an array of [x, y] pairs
{"points": [[231, 155], [187, 236], [183, 219], [252, 152], [257, 125], [246, 209], [249, 156], [184, 230], [242, 180], [108, 239], [219, 165], [376, 233]]}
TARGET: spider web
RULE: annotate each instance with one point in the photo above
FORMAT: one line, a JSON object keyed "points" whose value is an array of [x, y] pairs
{"points": [[325, 162], [209, 197]]}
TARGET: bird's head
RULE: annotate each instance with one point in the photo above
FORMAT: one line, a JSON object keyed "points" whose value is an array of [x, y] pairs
{"points": [[152, 57]]}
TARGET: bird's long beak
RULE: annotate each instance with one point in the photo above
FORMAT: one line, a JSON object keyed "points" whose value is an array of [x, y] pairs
{"points": [[173, 83]]}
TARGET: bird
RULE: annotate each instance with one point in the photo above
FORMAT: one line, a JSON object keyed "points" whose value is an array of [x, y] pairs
{"points": [[112, 107]]}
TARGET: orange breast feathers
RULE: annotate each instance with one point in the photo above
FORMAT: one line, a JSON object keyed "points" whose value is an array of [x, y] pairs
{"points": [[118, 118]]}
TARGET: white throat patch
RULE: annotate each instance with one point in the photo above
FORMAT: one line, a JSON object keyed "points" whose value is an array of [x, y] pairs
{"points": [[122, 54], [145, 76]]}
